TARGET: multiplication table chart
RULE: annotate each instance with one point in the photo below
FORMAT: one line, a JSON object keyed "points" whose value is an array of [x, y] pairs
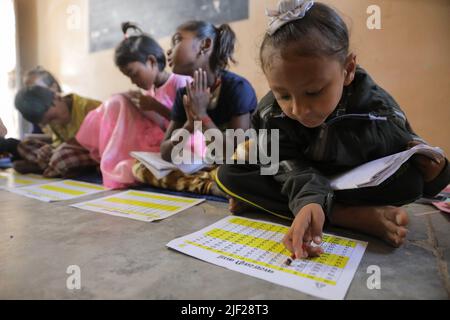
{"points": [[139, 205], [10, 179], [255, 248], [59, 191]]}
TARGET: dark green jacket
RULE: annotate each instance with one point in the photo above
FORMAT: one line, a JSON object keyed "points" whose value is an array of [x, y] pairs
{"points": [[367, 124]]}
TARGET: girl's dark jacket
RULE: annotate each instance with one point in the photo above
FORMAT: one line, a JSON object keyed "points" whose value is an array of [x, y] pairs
{"points": [[367, 124]]}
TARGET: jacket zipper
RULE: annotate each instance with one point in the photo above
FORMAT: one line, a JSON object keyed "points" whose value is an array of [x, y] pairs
{"points": [[324, 130]]}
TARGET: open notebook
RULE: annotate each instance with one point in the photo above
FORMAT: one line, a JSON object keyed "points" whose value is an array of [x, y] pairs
{"points": [[161, 168], [373, 173]]}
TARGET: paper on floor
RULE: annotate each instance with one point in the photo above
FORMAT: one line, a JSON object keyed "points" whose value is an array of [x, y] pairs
{"points": [[139, 205], [11, 179], [444, 206], [59, 191], [254, 247]]}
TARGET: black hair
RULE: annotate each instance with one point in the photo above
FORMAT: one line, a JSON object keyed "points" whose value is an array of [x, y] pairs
{"points": [[138, 48], [33, 102], [321, 32], [45, 76], [223, 38]]}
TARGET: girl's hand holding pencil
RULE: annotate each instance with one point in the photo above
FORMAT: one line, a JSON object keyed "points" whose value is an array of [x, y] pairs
{"points": [[305, 230]]}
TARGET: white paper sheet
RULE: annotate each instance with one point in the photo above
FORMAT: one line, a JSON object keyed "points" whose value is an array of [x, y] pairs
{"points": [[10, 179], [161, 168], [254, 247], [373, 173], [59, 191], [139, 205]]}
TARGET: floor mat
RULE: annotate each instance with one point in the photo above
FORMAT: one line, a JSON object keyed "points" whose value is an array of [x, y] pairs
{"points": [[5, 163]]}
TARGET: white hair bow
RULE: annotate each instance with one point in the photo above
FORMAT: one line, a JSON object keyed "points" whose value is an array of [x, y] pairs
{"points": [[288, 10]]}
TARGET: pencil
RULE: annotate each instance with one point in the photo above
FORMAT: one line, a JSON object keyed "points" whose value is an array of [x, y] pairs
{"points": [[292, 257], [288, 262]]}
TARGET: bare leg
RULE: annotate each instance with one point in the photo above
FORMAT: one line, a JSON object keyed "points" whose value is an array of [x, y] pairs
{"points": [[237, 206], [387, 223], [215, 190]]}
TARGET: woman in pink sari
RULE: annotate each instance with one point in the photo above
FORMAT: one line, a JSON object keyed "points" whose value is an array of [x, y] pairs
{"points": [[131, 121]]}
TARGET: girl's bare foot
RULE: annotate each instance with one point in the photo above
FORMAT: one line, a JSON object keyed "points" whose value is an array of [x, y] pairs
{"points": [[387, 223]]}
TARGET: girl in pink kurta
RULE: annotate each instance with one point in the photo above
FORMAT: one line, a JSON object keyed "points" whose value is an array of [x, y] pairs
{"points": [[131, 121]]}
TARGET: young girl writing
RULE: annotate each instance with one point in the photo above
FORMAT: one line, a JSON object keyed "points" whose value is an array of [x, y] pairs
{"points": [[218, 98], [132, 121], [331, 117]]}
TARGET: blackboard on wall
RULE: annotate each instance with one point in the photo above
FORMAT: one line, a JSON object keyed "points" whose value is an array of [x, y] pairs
{"points": [[157, 17]]}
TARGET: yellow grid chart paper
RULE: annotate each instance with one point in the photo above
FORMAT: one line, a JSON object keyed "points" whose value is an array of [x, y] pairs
{"points": [[255, 248], [59, 191], [10, 179], [139, 205]]}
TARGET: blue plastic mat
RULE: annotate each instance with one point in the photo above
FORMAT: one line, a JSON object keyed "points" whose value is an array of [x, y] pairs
{"points": [[5, 163], [97, 178]]}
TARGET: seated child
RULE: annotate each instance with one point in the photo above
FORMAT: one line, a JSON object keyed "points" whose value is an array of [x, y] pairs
{"points": [[41, 77], [132, 121], [64, 115], [331, 117], [217, 97], [36, 76]]}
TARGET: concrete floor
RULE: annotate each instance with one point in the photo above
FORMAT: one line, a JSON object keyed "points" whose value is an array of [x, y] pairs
{"points": [[126, 259]]}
